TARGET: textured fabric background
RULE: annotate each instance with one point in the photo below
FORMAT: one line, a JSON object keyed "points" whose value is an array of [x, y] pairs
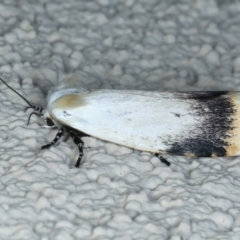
{"points": [[118, 193]]}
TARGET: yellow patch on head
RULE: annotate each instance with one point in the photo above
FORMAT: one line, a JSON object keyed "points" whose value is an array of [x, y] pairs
{"points": [[69, 101]]}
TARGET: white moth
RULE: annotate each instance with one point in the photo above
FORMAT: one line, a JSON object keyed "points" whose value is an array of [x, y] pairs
{"points": [[197, 124]]}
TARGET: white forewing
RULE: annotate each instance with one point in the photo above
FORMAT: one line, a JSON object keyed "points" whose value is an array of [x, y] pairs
{"points": [[148, 121]]}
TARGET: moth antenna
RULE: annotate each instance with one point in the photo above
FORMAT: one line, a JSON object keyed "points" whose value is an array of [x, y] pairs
{"points": [[33, 113], [31, 106], [35, 108]]}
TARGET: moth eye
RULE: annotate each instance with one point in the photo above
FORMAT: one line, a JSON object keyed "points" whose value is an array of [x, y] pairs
{"points": [[49, 122]]}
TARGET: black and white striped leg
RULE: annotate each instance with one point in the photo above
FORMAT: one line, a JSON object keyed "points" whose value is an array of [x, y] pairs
{"points": [[78, 141], [76, 136], [162, 159], [37, 111], [58, 136]]}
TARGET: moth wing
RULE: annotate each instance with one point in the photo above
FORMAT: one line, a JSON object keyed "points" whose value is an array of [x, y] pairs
{"points": [[148, 121], [201, 124]]}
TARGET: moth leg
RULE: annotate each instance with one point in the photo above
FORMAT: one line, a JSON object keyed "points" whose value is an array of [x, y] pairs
{"points": [[36, 109], [162, 159], [76, 136], [33, 113], [58, 136], [78, 141]]}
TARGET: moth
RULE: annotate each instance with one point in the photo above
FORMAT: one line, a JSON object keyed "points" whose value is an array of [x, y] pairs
{"points": [[194, 124]]}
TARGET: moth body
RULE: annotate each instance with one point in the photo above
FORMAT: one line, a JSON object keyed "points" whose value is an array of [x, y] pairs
{"points": [[195, 124]]}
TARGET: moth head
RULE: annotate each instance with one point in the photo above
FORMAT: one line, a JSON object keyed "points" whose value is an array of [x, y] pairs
{"points": [[49, 122], [38, 111]]}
